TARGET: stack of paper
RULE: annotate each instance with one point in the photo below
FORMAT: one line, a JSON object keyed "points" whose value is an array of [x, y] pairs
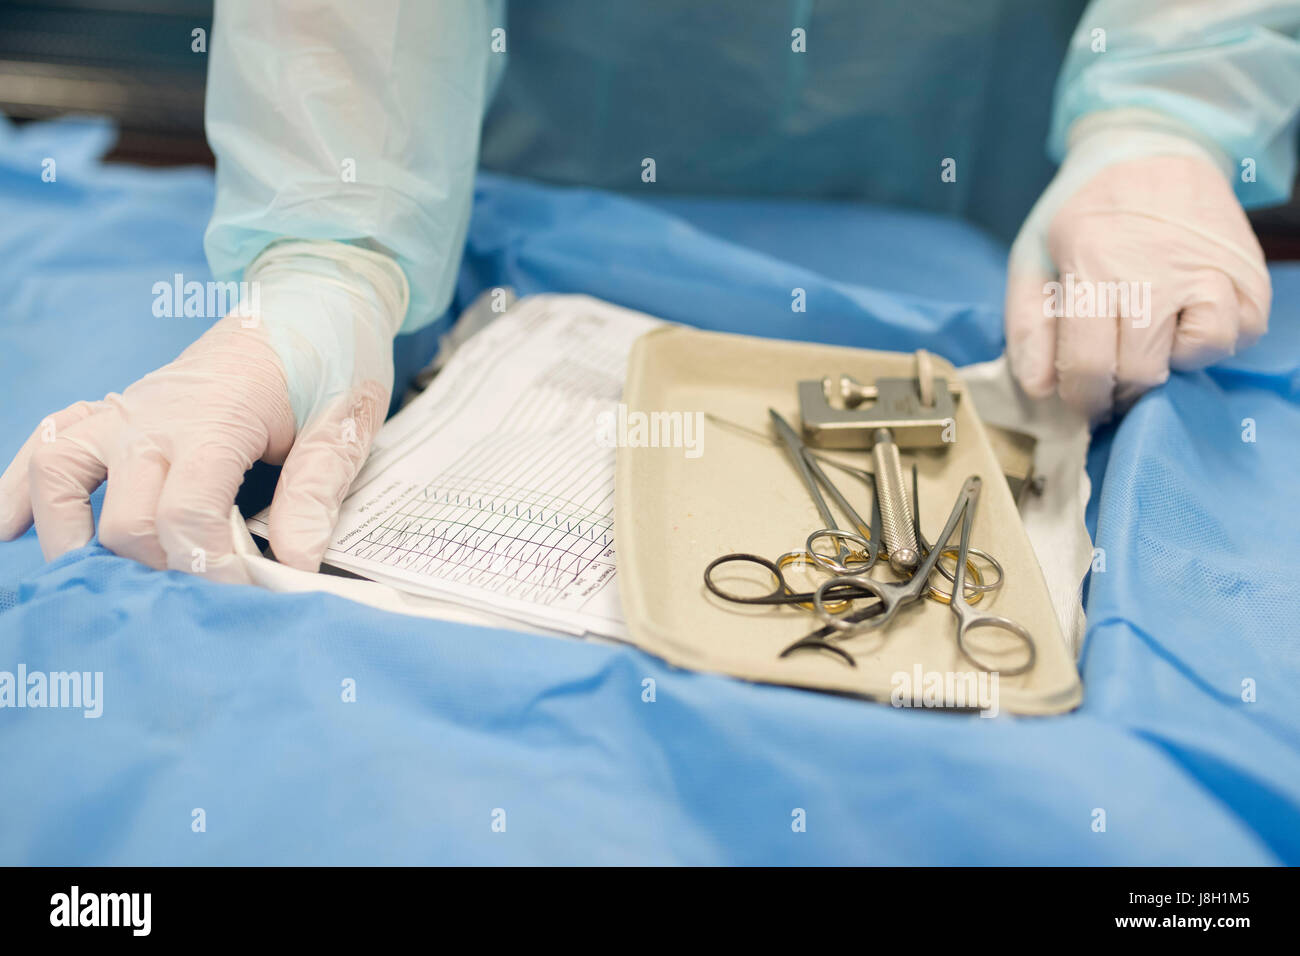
{"points": [[494, 489]]}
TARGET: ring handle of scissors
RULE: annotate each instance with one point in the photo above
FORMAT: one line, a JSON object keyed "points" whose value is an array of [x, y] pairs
{"points": [[778, 595], [888, 593], [832, 565], [968, 621], [974, 591], [781, 593], [849, 623], [807, 557], [896, 595], [980, 586]]}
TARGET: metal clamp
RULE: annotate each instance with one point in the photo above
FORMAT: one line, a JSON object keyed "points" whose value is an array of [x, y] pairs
{"points": [[891, 413]]}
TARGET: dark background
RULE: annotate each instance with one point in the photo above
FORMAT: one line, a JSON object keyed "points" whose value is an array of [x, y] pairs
{"points": [[126, 59], [131, 60]]}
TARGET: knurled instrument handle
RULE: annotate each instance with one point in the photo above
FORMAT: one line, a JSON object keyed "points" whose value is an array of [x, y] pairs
{"points": [[897, 527]]}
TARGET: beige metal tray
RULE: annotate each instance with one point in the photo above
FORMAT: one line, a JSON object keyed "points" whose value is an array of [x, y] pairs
{"points": [[675, 513]]}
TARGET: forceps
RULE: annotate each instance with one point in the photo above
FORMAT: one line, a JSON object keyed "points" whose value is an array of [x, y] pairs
{"points": [[896, 595], [811, 473]]}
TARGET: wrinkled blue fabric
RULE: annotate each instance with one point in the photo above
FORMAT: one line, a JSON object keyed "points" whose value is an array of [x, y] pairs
{"points": [[229, 699], [883, 94]]}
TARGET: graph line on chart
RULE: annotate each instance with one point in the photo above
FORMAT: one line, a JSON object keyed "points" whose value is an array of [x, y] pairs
{"points": [[525, 511]]}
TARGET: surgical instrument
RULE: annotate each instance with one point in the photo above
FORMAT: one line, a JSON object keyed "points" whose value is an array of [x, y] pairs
{"points": [[811, 473], [979, 587], [918, 412], [896, 595], [822, 638], [782, 593], [1013, 449]]}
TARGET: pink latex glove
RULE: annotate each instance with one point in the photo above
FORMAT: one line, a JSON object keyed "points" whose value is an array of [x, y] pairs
{"points": [[304, 381], [1152, 210]]}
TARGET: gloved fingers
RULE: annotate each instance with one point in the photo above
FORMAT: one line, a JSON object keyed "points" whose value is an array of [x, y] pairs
{"points": [[1087, 354], [1146, 317], [324, 460], [127, 522], [1254, 299], [62, 475], [1207, 323], [1030, 328], [15, 487], [193, 519], [1143, 362]]}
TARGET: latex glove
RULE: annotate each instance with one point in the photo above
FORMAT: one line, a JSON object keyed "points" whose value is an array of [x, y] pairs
{"points": [[300, 376], [1137, 201]]}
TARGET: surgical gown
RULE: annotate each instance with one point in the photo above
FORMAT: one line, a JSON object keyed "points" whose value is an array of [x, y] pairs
{"points": [[362, 124]]}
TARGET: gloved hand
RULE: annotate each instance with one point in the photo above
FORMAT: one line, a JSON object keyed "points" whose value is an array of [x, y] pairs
{"points": [[301, 375], [1138, 202]]}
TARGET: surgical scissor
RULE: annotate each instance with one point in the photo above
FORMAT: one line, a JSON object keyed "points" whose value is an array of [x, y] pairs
{"points": [[782, 592], [867, 538], [844, 562], [808, 464], [896, 595]]}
